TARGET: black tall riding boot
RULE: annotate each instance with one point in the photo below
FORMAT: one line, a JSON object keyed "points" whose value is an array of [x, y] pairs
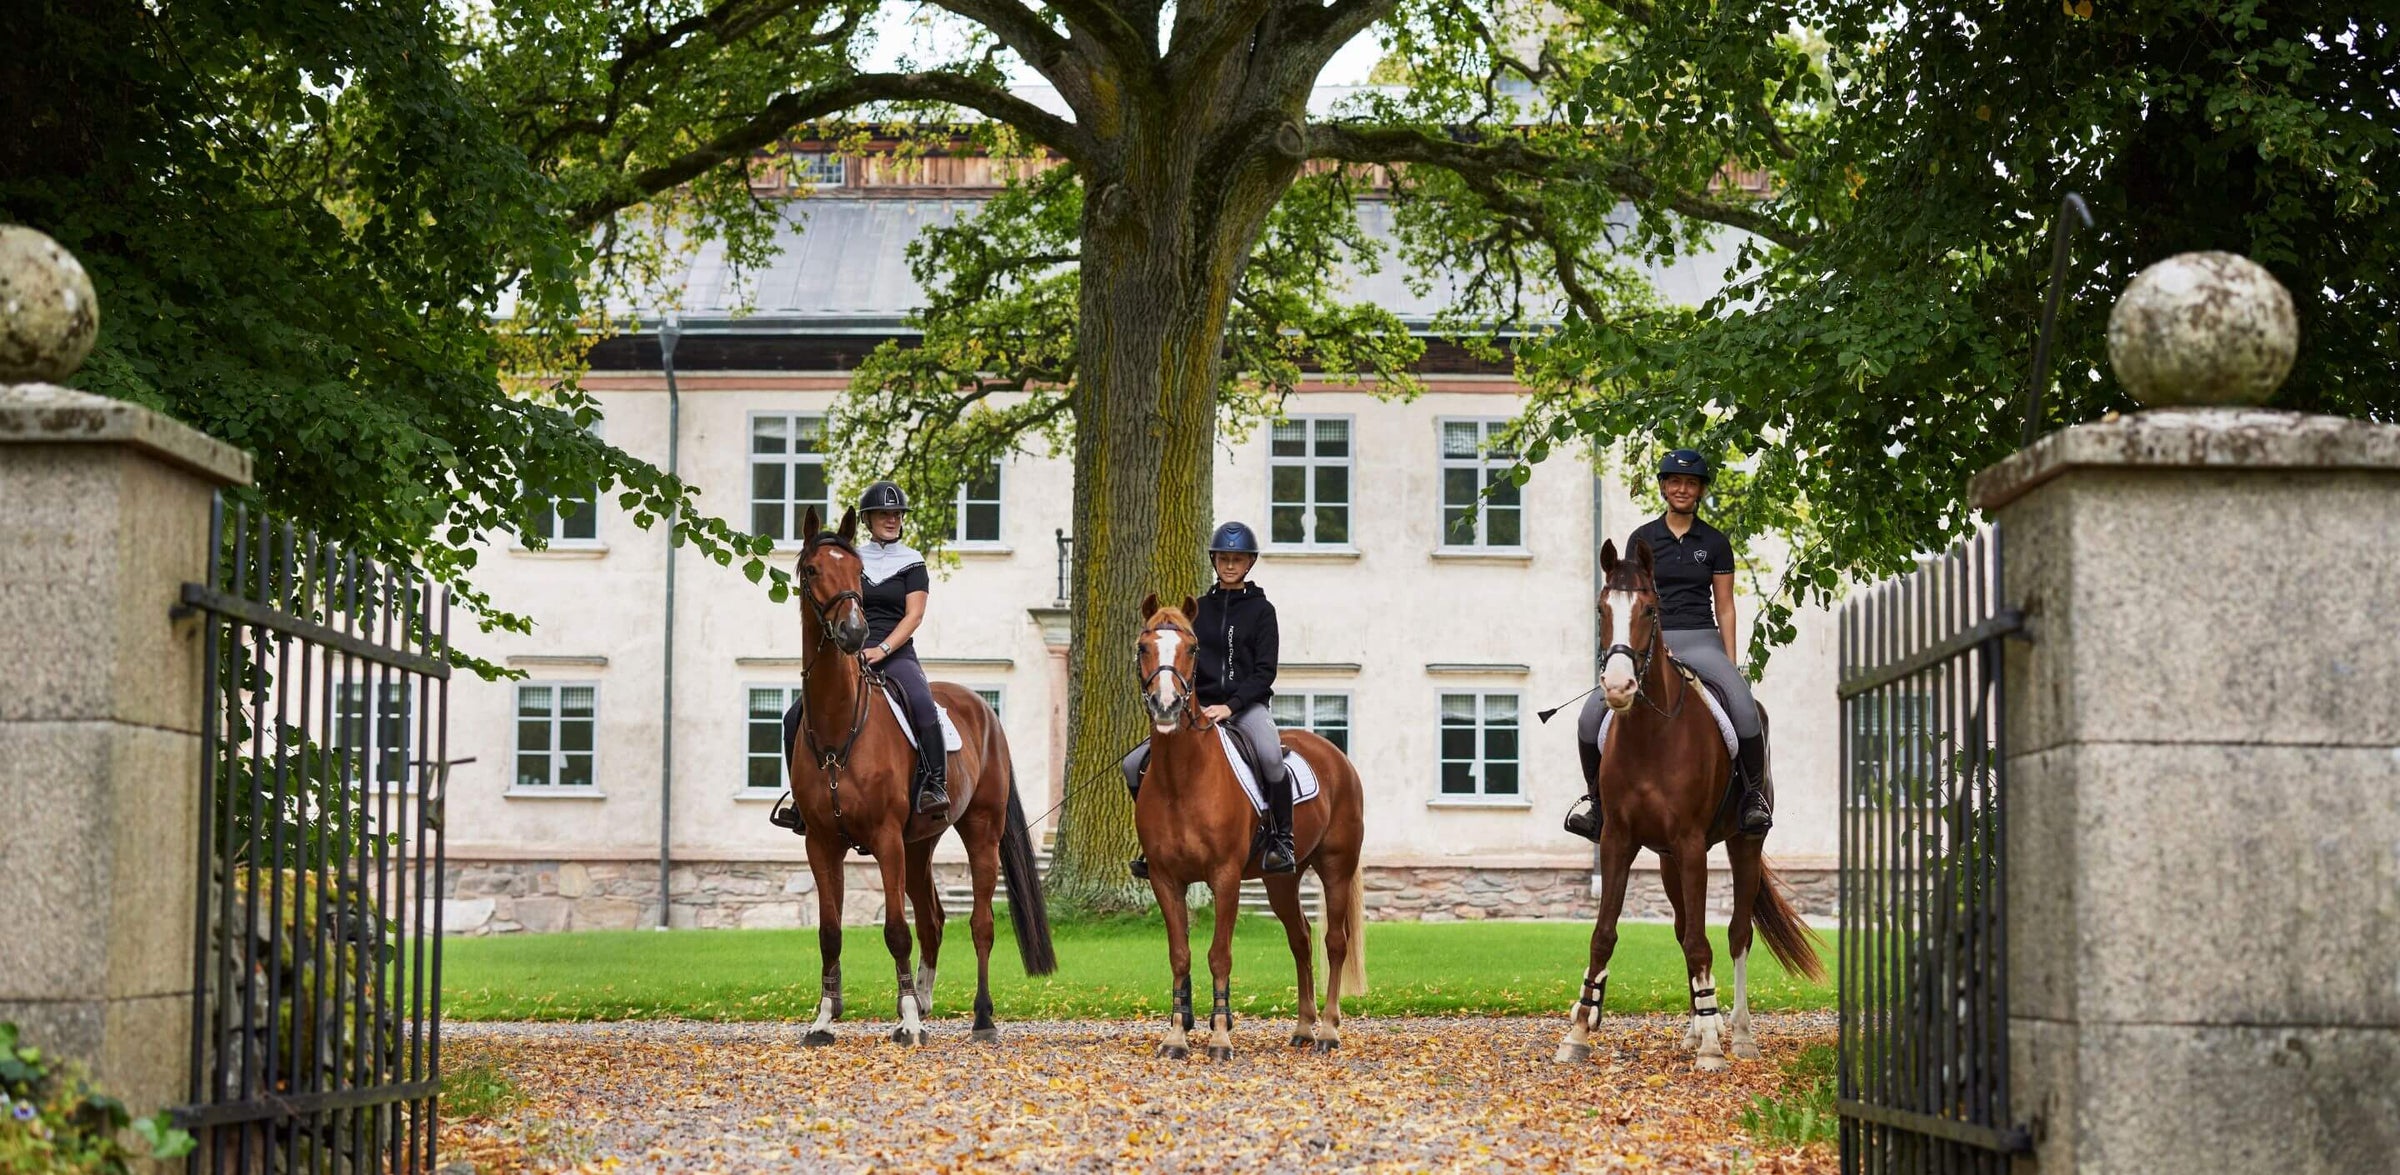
{"points": [[1756, 819], [1277, 857], [1584, 818], [933, 785], [1138, 866]]}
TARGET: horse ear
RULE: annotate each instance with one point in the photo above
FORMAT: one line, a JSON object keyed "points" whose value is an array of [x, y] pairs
{"points": [[1190, 609], [810, 525], [1644, 558], [1608, 557], [849, 531], [1149, 605]]}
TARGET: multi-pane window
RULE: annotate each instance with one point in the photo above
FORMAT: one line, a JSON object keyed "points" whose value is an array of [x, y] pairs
{"points": [[373, 737], [977, 517], [820, 168], [1308, 481], [991, 695], [787, 474], [569, 521], [1479, 745], [1326, 714], [765, 753], [1481, 507], [1896, 752], [555, 725]]}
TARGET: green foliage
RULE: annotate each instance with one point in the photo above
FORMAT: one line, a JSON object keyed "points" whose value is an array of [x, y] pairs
{"points": [[1801, 1112], [479, 1091], [53, 1123], [1109, 968]]}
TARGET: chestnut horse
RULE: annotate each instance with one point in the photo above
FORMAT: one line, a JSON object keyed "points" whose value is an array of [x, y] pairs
{"points": [[1197, 825], [1663, 786], [850, 770]]}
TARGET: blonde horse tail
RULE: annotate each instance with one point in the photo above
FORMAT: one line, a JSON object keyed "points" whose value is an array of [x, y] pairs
{"points": [[1354, 927], [1792, 941]]}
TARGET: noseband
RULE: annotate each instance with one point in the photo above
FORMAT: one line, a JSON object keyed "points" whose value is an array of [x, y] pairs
{"points": [[1191, 705], [1642, 660]]}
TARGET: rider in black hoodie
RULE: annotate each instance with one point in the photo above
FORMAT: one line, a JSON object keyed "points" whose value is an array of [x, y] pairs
{"points": [[1233, 675]]}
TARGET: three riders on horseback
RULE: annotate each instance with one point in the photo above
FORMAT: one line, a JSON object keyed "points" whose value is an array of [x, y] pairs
{"points": [[1694, 575]]}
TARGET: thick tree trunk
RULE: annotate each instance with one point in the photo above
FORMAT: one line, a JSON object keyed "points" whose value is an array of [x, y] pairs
{"points": [[1164, 241]]}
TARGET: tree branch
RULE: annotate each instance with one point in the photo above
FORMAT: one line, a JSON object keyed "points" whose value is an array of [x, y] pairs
{"points": [[1509, 155], [1023, 31], [790, 110]]}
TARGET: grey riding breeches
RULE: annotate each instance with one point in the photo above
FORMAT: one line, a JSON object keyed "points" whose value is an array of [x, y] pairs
{"points": [[1253, 725], [1704, 651]]}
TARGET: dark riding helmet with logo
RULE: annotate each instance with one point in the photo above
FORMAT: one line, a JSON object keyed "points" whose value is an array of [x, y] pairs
{"points": [[1686, 463], [883, 495], [1235, 538]]}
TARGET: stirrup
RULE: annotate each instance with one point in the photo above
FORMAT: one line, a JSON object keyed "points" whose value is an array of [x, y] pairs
{"points": [[932, 795], [1583, 819], [1139, 867], [1277, 855], [1755, 804], [786, 814]]}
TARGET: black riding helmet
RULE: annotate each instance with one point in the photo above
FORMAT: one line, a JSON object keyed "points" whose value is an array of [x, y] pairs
{"points": [[1233, 538], [1688, 463], [883, 495]]}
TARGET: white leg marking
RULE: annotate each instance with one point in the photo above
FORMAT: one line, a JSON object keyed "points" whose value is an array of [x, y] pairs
{"points": [[925, 978], [824, 1014], [1704, 1017], [1745, 1044], [908, 1014]]}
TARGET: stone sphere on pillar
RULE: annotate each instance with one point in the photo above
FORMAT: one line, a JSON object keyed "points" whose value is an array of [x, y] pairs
{"points": [[2210, 329], [48, 316]]}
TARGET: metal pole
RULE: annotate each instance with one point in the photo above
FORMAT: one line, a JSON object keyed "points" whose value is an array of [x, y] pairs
{"points": [[668, 332]]}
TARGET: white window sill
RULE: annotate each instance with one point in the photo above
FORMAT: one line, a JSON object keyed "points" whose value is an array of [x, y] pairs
{"points": [[553, 793], [563, 550], [1504, 803], [1313, 554], [757, 795], [1482, 554], [980, 550]]}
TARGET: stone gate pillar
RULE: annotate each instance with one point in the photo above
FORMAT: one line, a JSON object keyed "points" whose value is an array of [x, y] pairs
{"points": [[2203, 746], [103, 515]]}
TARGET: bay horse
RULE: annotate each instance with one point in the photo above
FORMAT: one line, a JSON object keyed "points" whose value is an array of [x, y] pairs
{"points": [[1196, 824], [852, 790], [1664, 786]]}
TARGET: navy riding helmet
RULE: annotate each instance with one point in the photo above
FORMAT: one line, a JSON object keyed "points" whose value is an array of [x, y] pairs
{"points": [[883, 495], [1233, 538], [1687, 462]]}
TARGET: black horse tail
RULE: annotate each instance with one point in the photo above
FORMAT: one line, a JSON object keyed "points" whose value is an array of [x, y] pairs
{"points": [[1026, 909]]}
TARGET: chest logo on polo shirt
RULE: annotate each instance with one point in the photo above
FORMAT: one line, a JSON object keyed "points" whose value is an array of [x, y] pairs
{"points": [[1700, 556]]}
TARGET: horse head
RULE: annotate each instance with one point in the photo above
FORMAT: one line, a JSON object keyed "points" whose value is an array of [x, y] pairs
{"points": [[831, 580], [1166, 655], [1628, 622]]}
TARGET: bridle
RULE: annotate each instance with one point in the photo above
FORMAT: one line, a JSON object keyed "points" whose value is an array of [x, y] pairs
{"points": [[1642, 660], [832, 760], [1192, 717]]}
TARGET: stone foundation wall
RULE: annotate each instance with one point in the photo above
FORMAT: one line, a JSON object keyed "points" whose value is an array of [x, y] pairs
{"points": [[509, 897]]}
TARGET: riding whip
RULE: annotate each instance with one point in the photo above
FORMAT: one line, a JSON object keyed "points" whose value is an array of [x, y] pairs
{"points": [[1544, 715]]}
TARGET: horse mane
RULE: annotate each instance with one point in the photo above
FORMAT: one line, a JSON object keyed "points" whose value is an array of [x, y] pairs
{"points": [[827, 538], [1168, 612]]}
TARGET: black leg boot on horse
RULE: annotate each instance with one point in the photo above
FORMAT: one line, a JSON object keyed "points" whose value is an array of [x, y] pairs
{"points": [[1756, 817]]}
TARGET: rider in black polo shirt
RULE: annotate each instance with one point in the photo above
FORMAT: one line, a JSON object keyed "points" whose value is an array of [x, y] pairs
{"points": [[1695, 609]]}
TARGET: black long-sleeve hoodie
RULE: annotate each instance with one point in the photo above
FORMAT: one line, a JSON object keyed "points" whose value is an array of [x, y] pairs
{"points": [[1235, 663]]}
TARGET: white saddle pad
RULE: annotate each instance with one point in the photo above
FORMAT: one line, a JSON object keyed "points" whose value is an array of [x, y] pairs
{"points": [[950, 739], [1733, 745], [1304, 777]]}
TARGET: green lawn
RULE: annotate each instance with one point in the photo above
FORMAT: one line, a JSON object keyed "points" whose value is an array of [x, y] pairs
{"points": [[1107, 970]]}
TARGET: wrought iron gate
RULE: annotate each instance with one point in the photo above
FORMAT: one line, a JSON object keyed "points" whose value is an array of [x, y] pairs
{"points": [[316, 1031], [1924, 946]]}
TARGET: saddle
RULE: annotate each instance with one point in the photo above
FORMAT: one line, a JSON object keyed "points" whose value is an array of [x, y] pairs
{"points": [[1245, 770], [1715, 698]]}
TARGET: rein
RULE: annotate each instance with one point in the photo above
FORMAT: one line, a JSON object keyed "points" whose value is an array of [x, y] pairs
{"points": [[1641, 670], [832, 760]]}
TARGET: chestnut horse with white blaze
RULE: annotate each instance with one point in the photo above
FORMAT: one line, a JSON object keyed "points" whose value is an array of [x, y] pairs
{"points": [[1664, 780], [1197, 825], [851, 764]]}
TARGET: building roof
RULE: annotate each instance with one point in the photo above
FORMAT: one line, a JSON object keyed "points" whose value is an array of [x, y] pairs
{"points": [[841, 268]]}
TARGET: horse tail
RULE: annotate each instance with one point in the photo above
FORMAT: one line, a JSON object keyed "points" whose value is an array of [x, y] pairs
{"points": [[1354, 965], [1027, 911], [1792, 941]]}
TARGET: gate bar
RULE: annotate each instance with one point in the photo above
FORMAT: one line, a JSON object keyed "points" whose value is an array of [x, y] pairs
{"points": [[2012, 1140], [2003, 622]]}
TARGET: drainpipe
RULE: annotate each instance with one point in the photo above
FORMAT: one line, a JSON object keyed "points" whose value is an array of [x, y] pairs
{"points": [[1599, 582], [668, 332]]}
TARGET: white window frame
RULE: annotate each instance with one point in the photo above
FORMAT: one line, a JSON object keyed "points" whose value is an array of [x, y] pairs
{"points": [[1309, 463], [1483, 464], [809, 167], [998, 501], [547, 523], [795, 509], [995, 696], [1308, 714], [516, 753], [786, 690], [1479, 765], [373, 688]]}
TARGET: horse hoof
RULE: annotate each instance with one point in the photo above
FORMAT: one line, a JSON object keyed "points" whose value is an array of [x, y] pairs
{"points": [[1324, 1046], [1712, 1064], [817, 1039], [1219, 1053], [1173, 1052], [904, 1036], [1569, 1054], [1301, 1040], [985, 1036], [1745, 1050]]}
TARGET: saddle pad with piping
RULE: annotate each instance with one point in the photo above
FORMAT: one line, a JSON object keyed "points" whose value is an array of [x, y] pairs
{"points": [[950, 738], [1716, 710], [1304, 777]]}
